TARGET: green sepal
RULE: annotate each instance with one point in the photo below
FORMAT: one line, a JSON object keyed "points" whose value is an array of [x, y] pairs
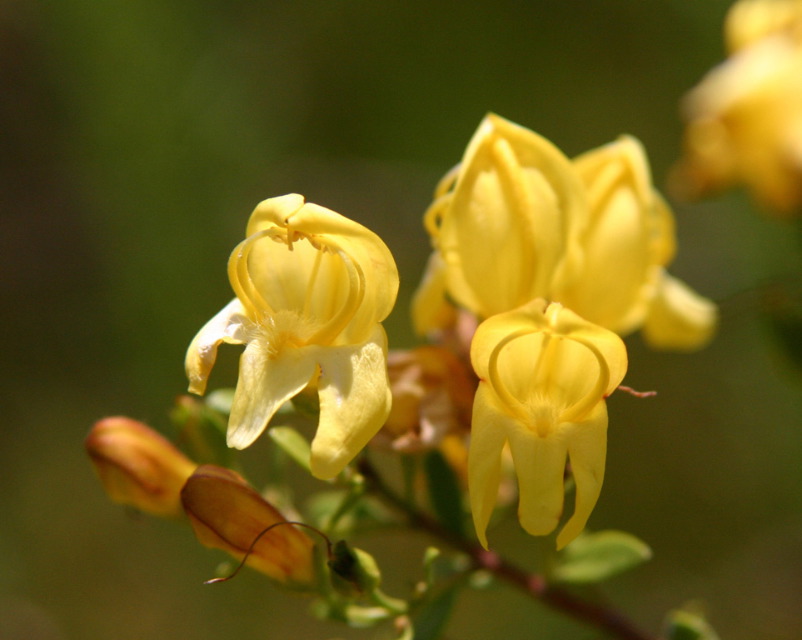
{"points": [[444, 492], [594, 557], [687, 625], [353, 571], [292, 443]]}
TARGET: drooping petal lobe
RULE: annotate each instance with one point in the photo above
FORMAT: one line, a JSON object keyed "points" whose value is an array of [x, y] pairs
{"points": [[488, 436], [229, 325], [265, 383], [355, 400]]}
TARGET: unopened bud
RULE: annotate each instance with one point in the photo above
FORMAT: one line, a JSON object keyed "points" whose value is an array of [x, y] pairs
{"points": [[138, 466], [226, 513]]}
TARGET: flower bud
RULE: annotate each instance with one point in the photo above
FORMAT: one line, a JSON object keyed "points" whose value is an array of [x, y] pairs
{"points": [[226, 513], [138, 466]]}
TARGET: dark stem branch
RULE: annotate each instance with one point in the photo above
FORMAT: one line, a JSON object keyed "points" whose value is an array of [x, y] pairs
{"points": [[534, 585]]}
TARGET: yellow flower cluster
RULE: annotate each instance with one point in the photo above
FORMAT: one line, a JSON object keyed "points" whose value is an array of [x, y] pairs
{"points": [[556, 258], [744, 119], [559, 258]]}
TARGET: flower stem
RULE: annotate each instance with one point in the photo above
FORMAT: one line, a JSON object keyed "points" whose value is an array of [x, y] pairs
{"points": [[532, 584]]}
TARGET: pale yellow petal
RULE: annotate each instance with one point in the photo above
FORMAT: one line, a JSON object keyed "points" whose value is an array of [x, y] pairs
{"points": [[488, 436], [540, 467], [679, 318], [496, 328], [229, 325], [610, 347], [587, 450], [431, 311], [265, 383], [355, 400], [505, 229]]}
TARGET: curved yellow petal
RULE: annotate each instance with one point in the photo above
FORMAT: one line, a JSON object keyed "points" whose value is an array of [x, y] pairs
{"points": [[540, 467], [620, 247], [510, 226], [679, 318], [326, 228], [587, 450], [355, 401], [230, 325], [488, 436], [265, 383], [431, 311]]}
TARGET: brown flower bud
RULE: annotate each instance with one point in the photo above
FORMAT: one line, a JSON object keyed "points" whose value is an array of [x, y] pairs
{"points": [[226, 513], [138, 466]]}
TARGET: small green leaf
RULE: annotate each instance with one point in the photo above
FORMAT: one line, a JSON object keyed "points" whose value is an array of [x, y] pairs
{"points": [[292, 443], [431, 617], [444, 492], [594, 557], [687, 625]]}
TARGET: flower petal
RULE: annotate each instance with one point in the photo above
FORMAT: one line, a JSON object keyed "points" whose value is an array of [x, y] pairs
{"points": [[265, 383], [229, 325], [540, 466], [488, 436], [355, 400], [679, 318], [587, 449], [431, 310]]}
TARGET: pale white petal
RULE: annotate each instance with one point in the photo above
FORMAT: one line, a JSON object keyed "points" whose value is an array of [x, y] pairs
{"points": [[229, 325], [355, 400], [265, 383]]}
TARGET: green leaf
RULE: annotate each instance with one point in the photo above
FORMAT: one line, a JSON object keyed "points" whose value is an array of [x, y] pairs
{"points": [[431, 618], [594, 557], [687, 625], [292, 443], [444, 492]]}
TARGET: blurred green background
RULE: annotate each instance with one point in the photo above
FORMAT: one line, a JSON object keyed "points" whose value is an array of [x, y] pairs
{"points": [[136, 139]]}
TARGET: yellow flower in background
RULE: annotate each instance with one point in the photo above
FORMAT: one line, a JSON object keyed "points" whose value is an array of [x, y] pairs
{"points": [[226, 513], [312, 288], [628, 242], [505, 222], [751, 20], [744, 126], [544, 374]]}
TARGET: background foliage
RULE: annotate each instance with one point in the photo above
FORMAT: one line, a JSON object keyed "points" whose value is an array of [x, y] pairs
{"points": [[138, 136]]}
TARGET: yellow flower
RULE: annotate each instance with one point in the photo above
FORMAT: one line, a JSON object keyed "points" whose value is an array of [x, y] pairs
{"points": [[226, 513], [505, 222], [751, 20], [544, 373], [628, 242], [744, 126], [137, 466], [312, 288]]}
